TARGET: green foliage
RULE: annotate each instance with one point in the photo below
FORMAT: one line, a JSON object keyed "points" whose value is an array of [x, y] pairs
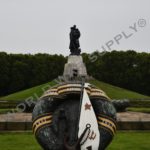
{"points": [[4, 73], [112, 91], [127, 69], [31, 93], [140, 103], [19, 72], [117, 93], [8, 105], [6, 110], [144, 110]]}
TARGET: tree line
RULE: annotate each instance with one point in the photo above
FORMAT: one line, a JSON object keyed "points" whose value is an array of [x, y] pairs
{"points": [[22, 71], [127, 69]]}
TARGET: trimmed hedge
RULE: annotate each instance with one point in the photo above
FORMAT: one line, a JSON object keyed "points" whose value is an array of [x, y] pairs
{"points": [[140, 103], [8, 104]]}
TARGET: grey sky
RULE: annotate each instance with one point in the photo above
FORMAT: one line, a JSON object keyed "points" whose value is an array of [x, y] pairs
{"points": [[32, 26]]}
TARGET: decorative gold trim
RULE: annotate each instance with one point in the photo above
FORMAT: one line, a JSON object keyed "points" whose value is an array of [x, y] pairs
{"points": [[65, 89], [40, 125], [40, 122], [69, 85], [107, 124], [107, 117], [41, 116], [108, 121], [69, 90], [97, 90]]}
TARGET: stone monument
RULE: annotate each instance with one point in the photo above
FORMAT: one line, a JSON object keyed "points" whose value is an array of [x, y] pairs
{"points": [[74, 68], [74, 115]]}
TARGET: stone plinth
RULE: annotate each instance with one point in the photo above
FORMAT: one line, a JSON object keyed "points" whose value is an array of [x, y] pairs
{"points": [[125, 121], [75, 67]]}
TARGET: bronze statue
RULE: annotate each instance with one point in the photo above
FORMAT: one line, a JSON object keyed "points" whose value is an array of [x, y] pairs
{"points": [[74, 41]]}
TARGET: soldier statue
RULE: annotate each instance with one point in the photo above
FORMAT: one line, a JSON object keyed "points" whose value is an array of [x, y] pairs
{"points": [[74, 41]]}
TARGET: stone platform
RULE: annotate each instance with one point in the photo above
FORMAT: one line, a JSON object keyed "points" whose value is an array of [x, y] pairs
{"points": [[74, 67], [126, 121]]}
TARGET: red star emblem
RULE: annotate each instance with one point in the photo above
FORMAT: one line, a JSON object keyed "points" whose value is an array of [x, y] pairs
{"points": [[88, 106]]}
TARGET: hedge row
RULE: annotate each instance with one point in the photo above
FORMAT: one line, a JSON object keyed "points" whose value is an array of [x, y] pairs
{"points": [[140, 103]]}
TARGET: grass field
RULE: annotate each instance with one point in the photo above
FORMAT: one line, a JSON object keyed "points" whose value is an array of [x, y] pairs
{"points": [[35, 92], [115, 92], [112, 91], [122, 141]]}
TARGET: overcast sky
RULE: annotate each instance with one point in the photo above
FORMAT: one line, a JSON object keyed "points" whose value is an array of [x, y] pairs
{"points": [[33, 26]]}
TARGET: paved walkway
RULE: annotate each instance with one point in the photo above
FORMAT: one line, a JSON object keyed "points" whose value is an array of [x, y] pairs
{"points": [[133, 116], [122, 117], [16, 117]]}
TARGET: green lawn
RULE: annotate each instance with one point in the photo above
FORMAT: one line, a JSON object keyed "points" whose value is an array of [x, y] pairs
{"points": [[113, 92], [131, 141], [122, 141], [18, 141], [35, 92]]}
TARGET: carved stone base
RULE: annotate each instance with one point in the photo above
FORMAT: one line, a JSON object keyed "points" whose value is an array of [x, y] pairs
{"points": [[75, 68]]}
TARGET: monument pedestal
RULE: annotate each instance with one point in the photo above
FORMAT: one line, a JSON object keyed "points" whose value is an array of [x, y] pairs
{"points": [[75, 68]]}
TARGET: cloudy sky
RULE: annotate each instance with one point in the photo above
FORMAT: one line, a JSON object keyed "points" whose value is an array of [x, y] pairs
{"points": [[33, 26]]}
